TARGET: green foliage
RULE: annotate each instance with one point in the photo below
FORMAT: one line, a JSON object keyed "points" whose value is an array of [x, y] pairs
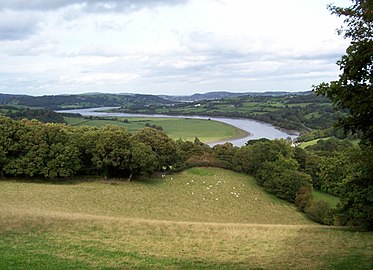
{"points": [[274, 167], [356, 205], [43, 115], [225, 153], [63, 161], [249, 158], [353, 91], [319, 211], [282, 178], [143, 160], [162, 145], [333, 172], [30, 148], [330, 146], [303, 198], [111, 152], [137, 101], [312, 167]]}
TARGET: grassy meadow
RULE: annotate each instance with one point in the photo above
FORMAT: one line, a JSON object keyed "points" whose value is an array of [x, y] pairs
{"points": [[202, 218], [177, 128]]}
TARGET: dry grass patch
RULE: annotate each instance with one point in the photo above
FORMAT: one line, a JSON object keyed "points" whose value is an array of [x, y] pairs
{"points": [[199, 194], [170, 223], [142, 244]]}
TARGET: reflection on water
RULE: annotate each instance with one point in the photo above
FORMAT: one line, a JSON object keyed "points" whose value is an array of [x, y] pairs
{"points": [[256, 129]]}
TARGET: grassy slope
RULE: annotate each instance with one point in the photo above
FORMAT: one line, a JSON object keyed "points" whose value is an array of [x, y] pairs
{"points": [[303, 145], [166, 224], [330, 199], [176, 128]]}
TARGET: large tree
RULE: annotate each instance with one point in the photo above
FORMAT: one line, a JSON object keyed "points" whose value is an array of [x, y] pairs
{"points": [[353, 91]]}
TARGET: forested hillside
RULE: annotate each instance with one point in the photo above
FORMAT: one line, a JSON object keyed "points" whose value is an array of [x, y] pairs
{"points": [[83, 100], [43, 115]]}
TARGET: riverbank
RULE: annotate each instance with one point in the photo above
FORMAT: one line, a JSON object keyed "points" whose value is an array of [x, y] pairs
{"points": [[253, 128]]}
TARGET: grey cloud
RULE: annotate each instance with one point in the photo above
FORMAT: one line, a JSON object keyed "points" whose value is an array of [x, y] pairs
{"points": [[15, 26], [90, 5]]}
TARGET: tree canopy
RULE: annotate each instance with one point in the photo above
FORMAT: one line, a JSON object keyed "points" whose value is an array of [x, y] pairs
{"points": [[353, 90]]}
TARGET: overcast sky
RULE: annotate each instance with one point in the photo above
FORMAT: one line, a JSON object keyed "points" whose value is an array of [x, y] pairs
{"points": [[167, 46]]}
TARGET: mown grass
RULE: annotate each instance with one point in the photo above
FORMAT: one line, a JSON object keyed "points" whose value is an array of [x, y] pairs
{"points": [[160, 224], [177, 128]]}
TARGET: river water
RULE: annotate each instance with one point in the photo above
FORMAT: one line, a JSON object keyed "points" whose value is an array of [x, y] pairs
{"points": [[256, 129]]}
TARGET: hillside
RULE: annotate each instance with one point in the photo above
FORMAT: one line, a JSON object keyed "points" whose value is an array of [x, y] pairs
{"points": [[198, 195], [165, 223], [224, 94], [83, 101]]}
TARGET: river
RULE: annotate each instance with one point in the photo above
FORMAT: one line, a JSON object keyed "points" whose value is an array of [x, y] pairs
{"points": [[255, 129]]}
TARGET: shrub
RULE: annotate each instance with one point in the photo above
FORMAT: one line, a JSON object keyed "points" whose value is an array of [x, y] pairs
{"points": [[303, 198], [320, 212]]}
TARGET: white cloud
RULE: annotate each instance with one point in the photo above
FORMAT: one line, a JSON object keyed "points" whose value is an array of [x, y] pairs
{"points": [[167, 46]]}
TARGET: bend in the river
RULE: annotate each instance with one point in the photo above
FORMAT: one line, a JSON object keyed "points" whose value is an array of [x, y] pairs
{"points": [[255, 129]]}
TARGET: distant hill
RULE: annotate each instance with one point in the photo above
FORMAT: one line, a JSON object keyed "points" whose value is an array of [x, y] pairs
{"points": [[84, 100], [125, 100], [225, 94]]}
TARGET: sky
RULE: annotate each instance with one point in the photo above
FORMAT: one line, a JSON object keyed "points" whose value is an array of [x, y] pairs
{"points": [[175, 47]]}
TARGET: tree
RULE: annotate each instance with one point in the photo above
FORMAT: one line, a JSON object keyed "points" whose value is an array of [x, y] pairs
{"points": [[143, 160], [334, 170], [63, 161], [303, 198], [162, 145], [249, 158], [111, 151], [225, 153], [353, 91]]}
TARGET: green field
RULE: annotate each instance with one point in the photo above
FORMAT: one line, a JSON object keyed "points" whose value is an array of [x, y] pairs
{"points": [[330, 199], [303, 145], [177, 128], [202, 218]]}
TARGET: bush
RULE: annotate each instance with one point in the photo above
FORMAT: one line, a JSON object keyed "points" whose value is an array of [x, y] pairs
{"points": [[204, 160], [303, 198], [320, 212]]}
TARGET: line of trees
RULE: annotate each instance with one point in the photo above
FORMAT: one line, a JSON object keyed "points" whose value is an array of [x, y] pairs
{"points": [[29, 148]]}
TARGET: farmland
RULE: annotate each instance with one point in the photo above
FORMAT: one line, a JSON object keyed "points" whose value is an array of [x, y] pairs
{"points": [[295, 112], [202, 218], [176, 128]]}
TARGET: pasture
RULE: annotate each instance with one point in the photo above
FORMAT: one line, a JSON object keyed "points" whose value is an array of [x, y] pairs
{"points": [[202, 218], [176, 128]]}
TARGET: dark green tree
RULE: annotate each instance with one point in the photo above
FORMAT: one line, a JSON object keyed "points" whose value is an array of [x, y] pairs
{"points": [[143, 160], [225, 153], [111, 152], [162, 145], [353, 91], [249, 158]]}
